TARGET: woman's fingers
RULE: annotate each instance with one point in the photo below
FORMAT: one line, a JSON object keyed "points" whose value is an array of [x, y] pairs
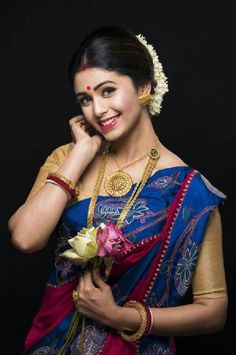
{"points": [[77, 125], [94, 298], [79, 120], [74, 124], [82, 122], [76, 119], [98, 281], [80, 286], [80, 134], [88, 281]]}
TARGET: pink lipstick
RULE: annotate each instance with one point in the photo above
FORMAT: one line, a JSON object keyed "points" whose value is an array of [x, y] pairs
{"points": [[110, 123]]}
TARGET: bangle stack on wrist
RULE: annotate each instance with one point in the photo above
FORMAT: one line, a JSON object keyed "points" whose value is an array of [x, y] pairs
{"points": [[146, 322], [66, 184]]}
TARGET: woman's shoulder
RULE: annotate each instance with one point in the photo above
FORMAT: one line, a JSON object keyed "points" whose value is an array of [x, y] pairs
{"points": [[168, 159], [201, 185], [202, 192], [206, 184]]}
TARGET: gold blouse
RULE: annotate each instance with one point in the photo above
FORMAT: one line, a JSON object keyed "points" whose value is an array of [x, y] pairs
{"points": [[209, 276]]}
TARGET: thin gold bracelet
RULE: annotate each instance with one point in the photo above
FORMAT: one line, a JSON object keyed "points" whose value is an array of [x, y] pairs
{"points": [[143, 326]]}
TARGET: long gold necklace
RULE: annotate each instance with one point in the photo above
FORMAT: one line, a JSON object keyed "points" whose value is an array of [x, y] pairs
{"points": [[153, 156], [120, 182]]}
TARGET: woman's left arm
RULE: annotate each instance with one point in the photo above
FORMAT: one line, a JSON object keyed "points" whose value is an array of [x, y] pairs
{"points": [[207, 313]]}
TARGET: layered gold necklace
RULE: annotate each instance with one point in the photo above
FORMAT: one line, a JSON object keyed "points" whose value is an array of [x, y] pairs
{"points": [[152, 155]]}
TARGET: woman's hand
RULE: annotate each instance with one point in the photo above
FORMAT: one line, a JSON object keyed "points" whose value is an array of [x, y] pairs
{"points": [[84, 135], [95, 299]]}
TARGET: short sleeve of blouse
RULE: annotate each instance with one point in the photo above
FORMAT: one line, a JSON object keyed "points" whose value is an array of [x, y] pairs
{"points": [[52, 163], [209, 276]]}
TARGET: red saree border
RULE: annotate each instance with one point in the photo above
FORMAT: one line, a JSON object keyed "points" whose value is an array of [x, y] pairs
{"points": [[45, 320], [166, 234], [168, 227]]}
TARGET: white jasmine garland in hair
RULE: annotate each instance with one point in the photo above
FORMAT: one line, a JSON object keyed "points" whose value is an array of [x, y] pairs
{"points": [[159, 77]]}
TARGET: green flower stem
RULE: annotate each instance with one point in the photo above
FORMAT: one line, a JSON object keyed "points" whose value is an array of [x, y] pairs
{"points": [[81, 345], [97, 261], [96, 264], [71, 331]]}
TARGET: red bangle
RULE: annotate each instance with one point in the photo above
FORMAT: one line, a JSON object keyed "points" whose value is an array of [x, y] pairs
{"points": [[55, 183], [148, 324], [63, 184], [149, 320]]}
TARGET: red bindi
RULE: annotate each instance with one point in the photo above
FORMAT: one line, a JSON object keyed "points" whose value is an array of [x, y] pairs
{"points": [[88, 88]]}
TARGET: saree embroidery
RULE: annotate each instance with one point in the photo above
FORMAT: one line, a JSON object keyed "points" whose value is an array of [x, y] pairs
{"points": [[158, 268]]}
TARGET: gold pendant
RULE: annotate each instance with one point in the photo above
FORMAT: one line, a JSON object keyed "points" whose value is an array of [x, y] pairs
{"points": [[118, 184]]}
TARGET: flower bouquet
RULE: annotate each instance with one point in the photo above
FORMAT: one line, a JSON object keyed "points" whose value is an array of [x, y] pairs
{"points": [[97, 245]]}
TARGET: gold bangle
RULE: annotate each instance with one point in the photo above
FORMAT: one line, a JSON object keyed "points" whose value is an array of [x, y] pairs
{"points": [[69, 182], [143, 326], [63, 178]]}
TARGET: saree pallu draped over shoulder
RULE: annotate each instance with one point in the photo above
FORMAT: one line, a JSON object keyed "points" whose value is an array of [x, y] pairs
{"points": [[157, 270]]}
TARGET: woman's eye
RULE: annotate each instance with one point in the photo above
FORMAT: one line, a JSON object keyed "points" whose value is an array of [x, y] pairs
{"points": [[84, 100], [108, 90]]}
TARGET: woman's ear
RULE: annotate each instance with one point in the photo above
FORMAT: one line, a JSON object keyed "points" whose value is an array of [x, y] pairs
{"points": [[145, 89]]}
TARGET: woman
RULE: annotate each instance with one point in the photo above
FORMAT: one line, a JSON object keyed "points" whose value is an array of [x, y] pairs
{"points": [[166, 211]]}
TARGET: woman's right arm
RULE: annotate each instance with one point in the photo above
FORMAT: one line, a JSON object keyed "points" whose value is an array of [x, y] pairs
{"points": [[32, 224]]}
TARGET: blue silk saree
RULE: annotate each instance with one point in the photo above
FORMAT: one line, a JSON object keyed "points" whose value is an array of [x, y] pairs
{"points": [[166, 226]]}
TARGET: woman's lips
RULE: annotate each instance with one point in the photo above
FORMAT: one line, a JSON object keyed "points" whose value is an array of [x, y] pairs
{"points": [[111, 125]]}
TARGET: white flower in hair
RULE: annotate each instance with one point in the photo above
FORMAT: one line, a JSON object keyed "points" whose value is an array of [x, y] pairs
{"points": [[159, 78]]}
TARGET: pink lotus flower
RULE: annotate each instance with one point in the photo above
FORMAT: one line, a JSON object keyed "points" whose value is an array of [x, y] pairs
{"points": [[111, 241]]}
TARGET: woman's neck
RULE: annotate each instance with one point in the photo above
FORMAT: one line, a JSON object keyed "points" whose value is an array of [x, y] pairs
{"points": [[141, 139]]}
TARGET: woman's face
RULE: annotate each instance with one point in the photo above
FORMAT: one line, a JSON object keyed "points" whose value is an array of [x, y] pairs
{"points": [[109, 101]]}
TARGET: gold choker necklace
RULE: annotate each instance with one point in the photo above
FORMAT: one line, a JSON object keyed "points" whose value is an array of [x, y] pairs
{"points": [[120, 182]]}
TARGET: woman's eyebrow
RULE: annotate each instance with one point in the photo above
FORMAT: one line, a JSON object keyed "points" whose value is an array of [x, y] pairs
{"points": [[95, 87]]}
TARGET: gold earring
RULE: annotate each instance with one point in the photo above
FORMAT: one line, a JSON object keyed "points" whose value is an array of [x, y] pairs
{"points": [[145, 99]]}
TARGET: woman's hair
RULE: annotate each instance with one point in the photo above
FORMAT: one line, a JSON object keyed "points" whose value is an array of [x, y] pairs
{"points": [[115, 49]]}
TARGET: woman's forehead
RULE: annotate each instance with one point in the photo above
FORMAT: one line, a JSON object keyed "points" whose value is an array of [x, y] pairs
{"points": [[92, 73], [93, 76]]}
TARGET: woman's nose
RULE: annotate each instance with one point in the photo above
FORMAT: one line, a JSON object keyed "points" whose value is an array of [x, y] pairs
{"points": [[100, 107]]}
